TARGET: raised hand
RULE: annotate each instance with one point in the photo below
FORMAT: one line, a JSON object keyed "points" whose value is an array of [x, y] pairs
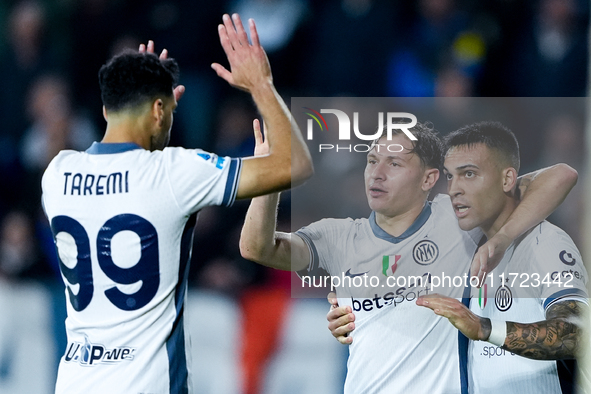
{"points": [[249, 66], [261, 147], [180, 89]]}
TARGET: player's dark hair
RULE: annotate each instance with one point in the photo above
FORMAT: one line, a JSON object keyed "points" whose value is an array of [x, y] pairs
{"points": [[494, 135], [132, 78], [428, 146]]}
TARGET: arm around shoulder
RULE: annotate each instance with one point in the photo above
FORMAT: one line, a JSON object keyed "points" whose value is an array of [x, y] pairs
{"points": [[557, 180], [540, 193]]}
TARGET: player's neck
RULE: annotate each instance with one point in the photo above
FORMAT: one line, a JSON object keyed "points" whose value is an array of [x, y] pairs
{"points": [[123, 129], [396, 225], [495, 226]]}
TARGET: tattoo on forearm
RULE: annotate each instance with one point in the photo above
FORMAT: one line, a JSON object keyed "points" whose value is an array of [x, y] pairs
{"points": [[556, 338]]}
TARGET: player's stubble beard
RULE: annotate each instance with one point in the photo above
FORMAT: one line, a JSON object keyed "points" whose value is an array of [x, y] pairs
{"points": [[159, 142]]}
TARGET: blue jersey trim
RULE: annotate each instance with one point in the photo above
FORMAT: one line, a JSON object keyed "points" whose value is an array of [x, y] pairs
{"points": [[185, 261], [567, 376], [177, 360], [417, 224], [232, 182], [463, 340], [102, 148], [314, 267], [463, 346], [175, 345], [574, 292]]}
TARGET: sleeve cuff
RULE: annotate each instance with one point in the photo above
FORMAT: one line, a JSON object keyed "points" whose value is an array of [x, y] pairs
{"points": [[232, 182]]}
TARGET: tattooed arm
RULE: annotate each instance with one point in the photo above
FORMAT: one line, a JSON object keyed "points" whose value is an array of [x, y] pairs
{"points": [[558, 337]]}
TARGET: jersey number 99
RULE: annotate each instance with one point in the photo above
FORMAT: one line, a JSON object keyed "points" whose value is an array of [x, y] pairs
{"points": [[146, 270]]}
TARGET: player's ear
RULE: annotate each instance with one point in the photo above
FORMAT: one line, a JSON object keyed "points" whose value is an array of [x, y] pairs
{"points": [[509, 179], [430, 179], [105, 113], [158, 111]]}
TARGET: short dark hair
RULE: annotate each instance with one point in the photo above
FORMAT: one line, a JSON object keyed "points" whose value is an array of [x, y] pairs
{"points": [[428, 146], [494, 135], [132, 78]]}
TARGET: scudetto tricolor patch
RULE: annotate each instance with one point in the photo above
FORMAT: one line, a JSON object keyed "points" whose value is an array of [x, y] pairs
{"points": [[482, 296], [386, 264]]}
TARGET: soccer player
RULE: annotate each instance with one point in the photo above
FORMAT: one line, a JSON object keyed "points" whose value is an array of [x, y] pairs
{"points": [[122, 215], [531, 304], [397, 347]]}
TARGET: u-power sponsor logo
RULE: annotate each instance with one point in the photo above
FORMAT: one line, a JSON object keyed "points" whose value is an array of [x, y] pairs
{"points": [[394, 121], [89, 354]]}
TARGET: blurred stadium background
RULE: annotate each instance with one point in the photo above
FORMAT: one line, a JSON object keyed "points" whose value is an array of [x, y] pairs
{"points": [[249, 335]]}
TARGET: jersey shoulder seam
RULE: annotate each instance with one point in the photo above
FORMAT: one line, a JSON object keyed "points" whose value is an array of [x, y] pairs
{"points": [[168, 151]]}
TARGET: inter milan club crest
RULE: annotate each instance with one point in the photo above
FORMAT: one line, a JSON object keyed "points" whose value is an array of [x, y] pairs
{"points": [[425, 252], [503, 298]]}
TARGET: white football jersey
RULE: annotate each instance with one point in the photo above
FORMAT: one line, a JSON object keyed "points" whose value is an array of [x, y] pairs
{"points": [[397, 346], [539, 269], [122, 218]]}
